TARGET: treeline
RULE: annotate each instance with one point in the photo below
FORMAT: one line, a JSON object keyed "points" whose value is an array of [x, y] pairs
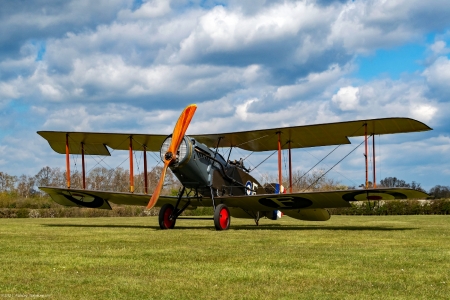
{"points": [[118, 180], [20, 196], [100, 178]]}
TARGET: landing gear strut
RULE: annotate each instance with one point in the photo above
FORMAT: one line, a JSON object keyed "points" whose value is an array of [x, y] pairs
{"points": [[168, 214]]}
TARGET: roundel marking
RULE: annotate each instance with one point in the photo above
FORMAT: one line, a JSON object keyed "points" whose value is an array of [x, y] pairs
{"points": [[378, 195], [85, 200], [248, 188]]}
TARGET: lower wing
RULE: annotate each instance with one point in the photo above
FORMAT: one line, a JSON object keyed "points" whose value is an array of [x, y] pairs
{"points": [[100, 199], [267, 202]]}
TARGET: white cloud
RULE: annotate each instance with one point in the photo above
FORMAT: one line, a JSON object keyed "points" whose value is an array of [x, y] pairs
{"points": [[8, 91], [242, 109], [347, 98], [313, 83], [439, 47], [438, 75], [148, 10], [424, 112], [222, 30], [49, 91]]}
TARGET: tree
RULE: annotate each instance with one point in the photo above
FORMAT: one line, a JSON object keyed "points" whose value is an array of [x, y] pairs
{"points": [[394, 182], [43, 177], [440, 192], [25, 186], [7, 182]]}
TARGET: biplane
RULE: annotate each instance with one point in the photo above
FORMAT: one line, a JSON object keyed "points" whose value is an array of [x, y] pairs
{"points": [[208, 179]]}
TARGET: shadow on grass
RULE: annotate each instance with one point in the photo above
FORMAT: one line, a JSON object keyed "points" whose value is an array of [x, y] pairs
{"points": [[318, 227], [244, 227]]}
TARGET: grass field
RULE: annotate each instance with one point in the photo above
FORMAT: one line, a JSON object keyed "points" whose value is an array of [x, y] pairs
{"points": [[348, 257]]}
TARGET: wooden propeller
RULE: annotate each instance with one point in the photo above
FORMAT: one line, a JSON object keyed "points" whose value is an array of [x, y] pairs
{"points": [[169, 157]]}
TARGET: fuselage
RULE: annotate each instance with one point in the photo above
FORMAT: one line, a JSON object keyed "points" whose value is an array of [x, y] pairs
{"points": [[206, 171]]}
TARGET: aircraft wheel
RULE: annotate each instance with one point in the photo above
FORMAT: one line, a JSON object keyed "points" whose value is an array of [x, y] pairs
{"points": [[222, 217], [164, 221]]}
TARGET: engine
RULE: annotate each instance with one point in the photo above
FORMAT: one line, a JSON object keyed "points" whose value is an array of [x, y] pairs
{"points": [[195, 163]]}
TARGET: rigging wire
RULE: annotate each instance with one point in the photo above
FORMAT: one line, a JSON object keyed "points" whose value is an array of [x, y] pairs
{"points": [[326, 157], [298, 180], [267, 158], [102, 163], [336, 164], [262, 175], [286, 171], [237, 146], [103, 159], [139, 183], [157, 159]]}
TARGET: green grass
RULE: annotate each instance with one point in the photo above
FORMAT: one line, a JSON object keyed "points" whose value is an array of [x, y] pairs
{"points": [[348, 257]]}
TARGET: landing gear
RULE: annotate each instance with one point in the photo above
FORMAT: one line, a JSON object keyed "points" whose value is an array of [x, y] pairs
{"points": [[221, 217], [169, 214], [166, 219]]}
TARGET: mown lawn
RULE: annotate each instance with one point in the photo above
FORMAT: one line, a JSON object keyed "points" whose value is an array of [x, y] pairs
{"points": [[348, 257]]}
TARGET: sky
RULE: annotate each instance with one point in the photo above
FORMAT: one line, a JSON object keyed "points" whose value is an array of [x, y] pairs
{"points": [[132, 66]]}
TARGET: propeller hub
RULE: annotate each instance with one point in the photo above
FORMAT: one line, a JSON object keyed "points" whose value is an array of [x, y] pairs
{"points": [[168, 155]]}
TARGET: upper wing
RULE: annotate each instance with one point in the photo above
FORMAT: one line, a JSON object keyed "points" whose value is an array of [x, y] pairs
{"points": [[95, 143], [310, 135], [268, 202], [254, 140]]}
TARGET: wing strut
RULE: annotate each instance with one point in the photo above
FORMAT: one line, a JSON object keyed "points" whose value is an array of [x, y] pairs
{"points": [[373, 153], [290, 168], [279, 163], [365, 155], [67, 161], [366, 142], [145, 171], [131, 165], [82, 166]]}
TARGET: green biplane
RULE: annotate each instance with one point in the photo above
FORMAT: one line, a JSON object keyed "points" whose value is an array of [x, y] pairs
{"points": [[225, 185]]}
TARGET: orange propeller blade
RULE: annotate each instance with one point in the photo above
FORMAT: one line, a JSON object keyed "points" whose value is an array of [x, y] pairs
{"points": [[180, 128], [158, 188], [177, 137]]}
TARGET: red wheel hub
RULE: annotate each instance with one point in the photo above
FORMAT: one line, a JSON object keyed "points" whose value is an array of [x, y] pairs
{"points": [[167, 221], [224, 218]]}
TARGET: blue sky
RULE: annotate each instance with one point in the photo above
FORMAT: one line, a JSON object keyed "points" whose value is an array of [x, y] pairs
{"points": [[131, 66]]}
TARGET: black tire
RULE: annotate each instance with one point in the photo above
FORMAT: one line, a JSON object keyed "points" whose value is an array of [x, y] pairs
{"points": [[222, 217], [164, 213]]}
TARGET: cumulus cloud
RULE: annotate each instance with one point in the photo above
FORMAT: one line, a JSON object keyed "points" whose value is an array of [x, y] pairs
{"points": [[347, 98], [438, 76]]}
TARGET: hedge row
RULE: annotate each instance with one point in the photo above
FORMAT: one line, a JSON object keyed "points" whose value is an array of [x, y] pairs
{"points": [[398, 207], [76, 212]]}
